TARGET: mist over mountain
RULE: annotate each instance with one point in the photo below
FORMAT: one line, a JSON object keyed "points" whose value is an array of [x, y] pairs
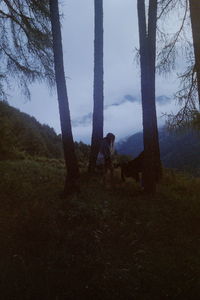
{"points": [[162, 100], [178, 150], [87, 118], [22, 136]]}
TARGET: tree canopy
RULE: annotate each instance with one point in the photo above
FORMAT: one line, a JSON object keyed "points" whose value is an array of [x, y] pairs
{"points": [[25, 44]]}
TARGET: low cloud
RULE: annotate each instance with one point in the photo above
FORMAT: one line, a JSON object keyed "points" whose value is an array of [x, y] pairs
{"points": [[123, 119], [83, 121], [122, 104], [163, 100]]}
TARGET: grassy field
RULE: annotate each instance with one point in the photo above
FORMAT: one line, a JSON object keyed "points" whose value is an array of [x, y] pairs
{"points": [[113, 243]]}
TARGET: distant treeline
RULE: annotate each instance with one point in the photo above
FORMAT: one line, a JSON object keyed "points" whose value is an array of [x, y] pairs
{"points": [[23, 136]]}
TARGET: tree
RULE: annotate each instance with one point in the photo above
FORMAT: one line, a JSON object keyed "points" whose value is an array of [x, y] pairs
{"points": [[188, 95], [97, 131], [67, 138], [25, 44], [147, 39], [195, 23]]}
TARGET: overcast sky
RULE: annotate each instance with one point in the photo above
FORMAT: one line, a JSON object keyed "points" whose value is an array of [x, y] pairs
{"points": [[123, 115]]}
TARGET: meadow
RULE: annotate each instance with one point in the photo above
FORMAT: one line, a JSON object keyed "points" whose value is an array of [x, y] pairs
{"points": [[102, 243]]}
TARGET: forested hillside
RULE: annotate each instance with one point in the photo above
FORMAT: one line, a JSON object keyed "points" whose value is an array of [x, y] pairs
{"points": [[179, 150], [22, 136]]}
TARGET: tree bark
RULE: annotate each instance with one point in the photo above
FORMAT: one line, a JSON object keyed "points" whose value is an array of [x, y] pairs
{"points": [[147, 39], [98, 97], [152, 22], [195, 22], [67, 138]]}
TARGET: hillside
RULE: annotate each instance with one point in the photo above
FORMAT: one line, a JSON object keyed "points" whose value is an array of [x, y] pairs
{"points": [[178, 150], [102, 243], [106, 241], [22, 135]]}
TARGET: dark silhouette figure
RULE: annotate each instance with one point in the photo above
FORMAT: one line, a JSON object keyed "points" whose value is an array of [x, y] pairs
{"points": [[133, 168]]}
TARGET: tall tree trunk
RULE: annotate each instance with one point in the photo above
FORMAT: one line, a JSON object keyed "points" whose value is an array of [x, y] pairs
{"points": [[152, 22], [97, 131], [195, 22], [147, 39], [67, 138]]}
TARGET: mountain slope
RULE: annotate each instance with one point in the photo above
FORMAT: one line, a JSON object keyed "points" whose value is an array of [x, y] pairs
{"points": [[22, 134], [178, 150]]}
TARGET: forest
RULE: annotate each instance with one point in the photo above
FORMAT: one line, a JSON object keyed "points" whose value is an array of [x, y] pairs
{"points": [[74, 229]]}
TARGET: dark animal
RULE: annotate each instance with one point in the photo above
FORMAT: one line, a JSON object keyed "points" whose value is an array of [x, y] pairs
{"points": [[133, 167]]}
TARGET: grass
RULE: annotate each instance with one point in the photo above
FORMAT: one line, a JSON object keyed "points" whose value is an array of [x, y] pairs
{"points": [[113, 243]]}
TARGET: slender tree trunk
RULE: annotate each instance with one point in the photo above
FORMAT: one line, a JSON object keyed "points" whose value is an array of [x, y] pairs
{"points": [[97, 131], [147, 39], [195, 22], [152, 22], [67, 138]]}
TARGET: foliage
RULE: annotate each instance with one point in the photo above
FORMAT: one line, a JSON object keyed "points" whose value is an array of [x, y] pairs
{"points": [[121, 158], [176, 44], [102, 243], [173, 42], [23, 136], [25, 44], [82, 152]]}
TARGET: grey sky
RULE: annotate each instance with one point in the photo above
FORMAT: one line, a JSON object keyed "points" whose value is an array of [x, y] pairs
{"points": [[121, 73]]}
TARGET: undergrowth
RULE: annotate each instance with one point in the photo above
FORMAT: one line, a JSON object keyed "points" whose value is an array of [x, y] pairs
{"points": [[109, 242]]}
